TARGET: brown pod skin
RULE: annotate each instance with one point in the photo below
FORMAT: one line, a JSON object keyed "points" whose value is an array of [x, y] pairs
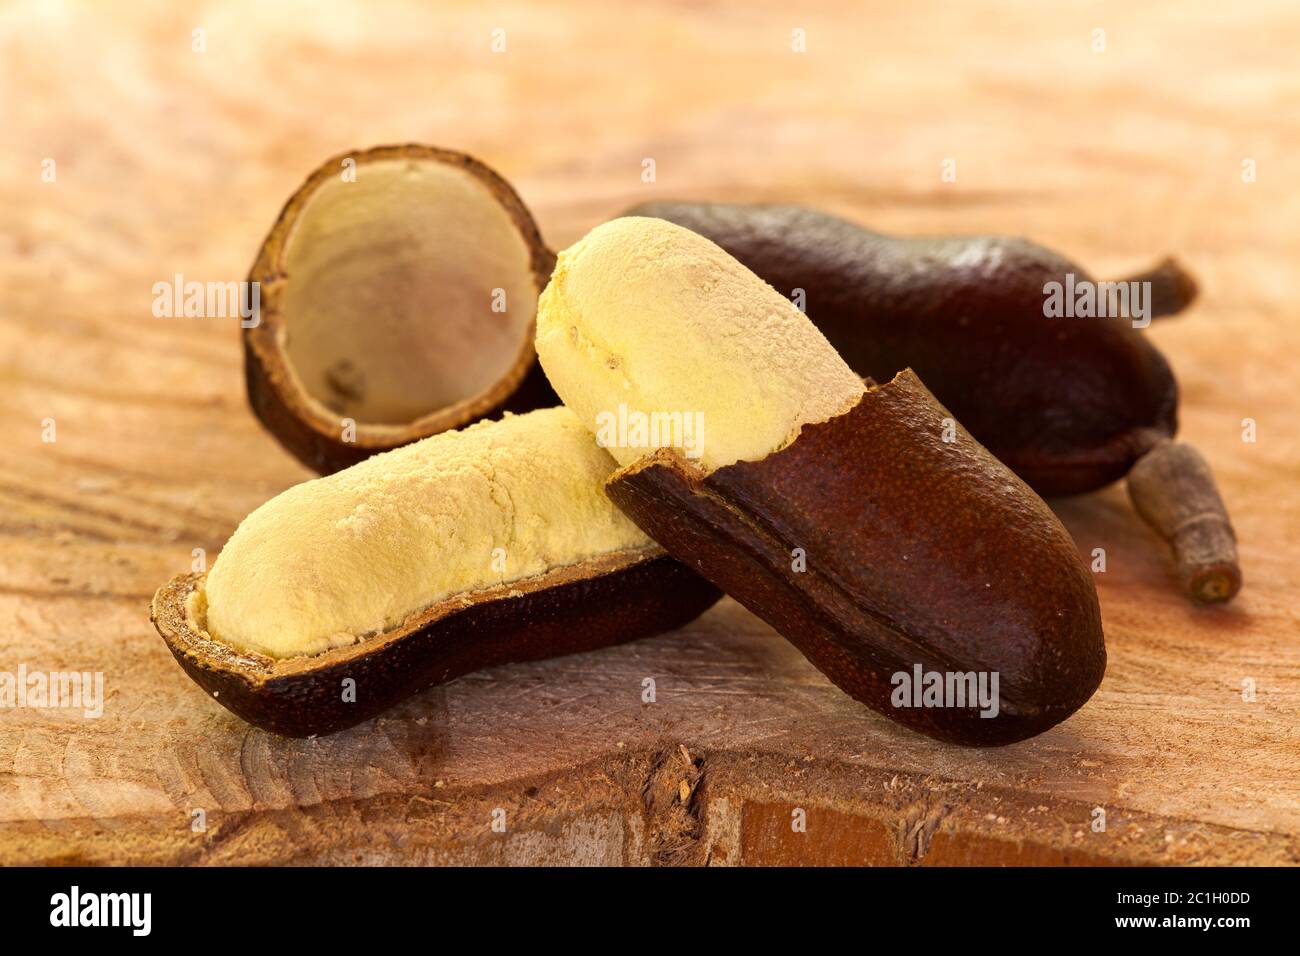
{"points": [[608, 601], [304, 426], [1068, 404], [918, 551]]}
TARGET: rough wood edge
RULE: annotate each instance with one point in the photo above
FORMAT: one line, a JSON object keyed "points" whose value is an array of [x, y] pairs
{"points": [[628, 808]]}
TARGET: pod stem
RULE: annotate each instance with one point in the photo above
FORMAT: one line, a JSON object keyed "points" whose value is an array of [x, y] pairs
{"points": [[1172, 287], [1173, 490]]}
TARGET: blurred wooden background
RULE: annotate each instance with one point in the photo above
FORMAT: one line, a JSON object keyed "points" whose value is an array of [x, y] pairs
{"points": [[173, 161]]}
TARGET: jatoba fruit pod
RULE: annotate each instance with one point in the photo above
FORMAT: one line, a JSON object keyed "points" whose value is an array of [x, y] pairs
{"points": [[866, 526], [1067, 403], [916, 552], [398, 292], [1172, 489], [343, 595], [580, 608], [1070, 403]]}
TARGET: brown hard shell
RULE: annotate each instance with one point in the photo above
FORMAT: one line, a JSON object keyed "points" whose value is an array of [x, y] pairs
{"points": [[302, 426], [1068, 403], [918, 550], [608, 601]]}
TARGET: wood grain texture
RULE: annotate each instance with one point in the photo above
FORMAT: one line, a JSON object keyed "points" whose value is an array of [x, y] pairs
{"points": [[171, 161]]}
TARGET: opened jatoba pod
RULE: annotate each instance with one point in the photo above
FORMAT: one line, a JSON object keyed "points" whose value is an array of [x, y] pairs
{"points": [[865, 525], [1070, 404], [343, 595], [398, 292]]}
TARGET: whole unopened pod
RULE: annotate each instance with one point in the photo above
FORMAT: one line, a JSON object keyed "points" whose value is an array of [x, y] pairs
{"points": [[343, 595], [1046, 366], [864, 524]]}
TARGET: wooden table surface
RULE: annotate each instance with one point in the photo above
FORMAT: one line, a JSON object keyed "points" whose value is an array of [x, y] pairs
{"points": [[173, 161]]}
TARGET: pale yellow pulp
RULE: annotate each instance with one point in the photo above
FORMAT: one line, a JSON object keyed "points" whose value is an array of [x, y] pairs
{"points": [[646, 314], [339, 558], [410, 289]]}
